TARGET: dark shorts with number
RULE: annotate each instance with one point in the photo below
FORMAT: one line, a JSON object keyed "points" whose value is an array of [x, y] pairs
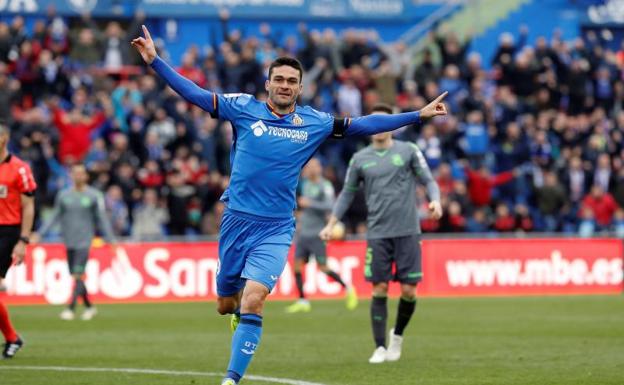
{"points": [[394, 259], [77, 260], [311, 245], [9, 236]]}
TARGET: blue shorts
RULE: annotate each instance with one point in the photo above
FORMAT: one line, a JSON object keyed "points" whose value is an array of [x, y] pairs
{"points": [[251, 247]]}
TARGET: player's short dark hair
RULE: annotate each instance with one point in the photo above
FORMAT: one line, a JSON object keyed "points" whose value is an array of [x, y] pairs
{"points": [[382, 107], [287, 61]]}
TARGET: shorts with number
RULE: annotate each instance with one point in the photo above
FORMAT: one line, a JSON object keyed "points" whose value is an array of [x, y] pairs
{"points": [[9, 236], [307, 246], [251, 247], [394, 259], [77, 260]]}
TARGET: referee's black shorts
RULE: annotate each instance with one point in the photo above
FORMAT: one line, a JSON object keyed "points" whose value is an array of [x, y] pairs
{"points": [[9, 236]]}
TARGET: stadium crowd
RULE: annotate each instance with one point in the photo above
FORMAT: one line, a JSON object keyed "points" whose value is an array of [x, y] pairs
{"points": [[533, 144]]}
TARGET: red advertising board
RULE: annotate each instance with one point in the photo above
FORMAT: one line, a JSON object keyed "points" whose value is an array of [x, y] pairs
{"points": [[186, 271], [522, 267]]}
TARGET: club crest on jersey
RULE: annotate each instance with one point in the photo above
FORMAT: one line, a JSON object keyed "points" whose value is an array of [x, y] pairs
{"points": [[4, 191], [297, 120], [259, 128]]}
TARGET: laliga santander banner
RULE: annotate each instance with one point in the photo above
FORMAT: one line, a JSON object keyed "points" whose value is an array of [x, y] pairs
{"points": [[155, 272]]}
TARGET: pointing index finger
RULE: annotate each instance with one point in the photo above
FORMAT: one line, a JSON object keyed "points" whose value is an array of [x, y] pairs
{"points": [[441, 97], [146, 33]]}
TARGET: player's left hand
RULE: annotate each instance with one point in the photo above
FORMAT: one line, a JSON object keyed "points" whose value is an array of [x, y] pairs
{"points": [[435, 208], [435, 108], [19, 252]]}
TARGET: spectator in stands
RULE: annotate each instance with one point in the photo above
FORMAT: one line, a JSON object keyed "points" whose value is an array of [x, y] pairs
{"points": [[601, 205], [618, 223], [576, 180], [587, 224], [117, 210], [75, 129], [551, 202], [454, 221], [178, 195], [478, 222], [481, 183], [504, 220], [475, 139], [524, 222], [453, 51], [149, 218], [553, 112]]}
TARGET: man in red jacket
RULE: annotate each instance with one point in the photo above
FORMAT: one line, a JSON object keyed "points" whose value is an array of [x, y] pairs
{"points": [[481, 183], [601, 204], [75, 130]]}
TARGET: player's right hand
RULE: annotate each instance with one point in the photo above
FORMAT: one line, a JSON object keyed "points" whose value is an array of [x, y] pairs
{"points": [[435, 108], [326, 233], [19, 252], [145, 46]]}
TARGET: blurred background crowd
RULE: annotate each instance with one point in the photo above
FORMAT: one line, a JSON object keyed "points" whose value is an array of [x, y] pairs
{"points": [[534, 141]]}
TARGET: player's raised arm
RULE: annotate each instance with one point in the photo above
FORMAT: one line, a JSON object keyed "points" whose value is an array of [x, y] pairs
{"points": [[183, 86], [376, 123]]}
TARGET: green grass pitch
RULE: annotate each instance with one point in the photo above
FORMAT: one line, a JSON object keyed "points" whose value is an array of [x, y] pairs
{"points": [[527, 340]]}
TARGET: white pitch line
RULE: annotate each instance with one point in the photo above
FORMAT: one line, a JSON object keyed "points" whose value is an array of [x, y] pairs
{"points": [[153, 371]]}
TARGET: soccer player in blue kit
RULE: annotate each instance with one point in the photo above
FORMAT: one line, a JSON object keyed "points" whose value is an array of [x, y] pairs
{"points": [[272, 142]]}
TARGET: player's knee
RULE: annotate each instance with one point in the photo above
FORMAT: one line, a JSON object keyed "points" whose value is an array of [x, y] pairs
{"points": [[254, 301], [324, 268], [408, 291], [380, 289], [225, 306]]}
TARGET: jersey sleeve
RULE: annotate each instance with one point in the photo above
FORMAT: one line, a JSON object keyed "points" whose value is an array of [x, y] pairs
{"points": [[421, 169], [351, 185], [230, 106], [26, 182], [184, 87], [378, 123], [335, 127]]}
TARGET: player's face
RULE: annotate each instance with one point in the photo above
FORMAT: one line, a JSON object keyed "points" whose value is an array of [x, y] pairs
{"points": [[313, 168], [79, 175], [284, 86]]}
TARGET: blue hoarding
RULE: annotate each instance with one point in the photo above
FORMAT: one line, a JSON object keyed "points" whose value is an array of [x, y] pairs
{"points": [[389, 10]]}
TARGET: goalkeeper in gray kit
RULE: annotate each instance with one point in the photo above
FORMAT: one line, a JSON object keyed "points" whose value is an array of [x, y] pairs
{"points": [[79, 210], [388, 170]]}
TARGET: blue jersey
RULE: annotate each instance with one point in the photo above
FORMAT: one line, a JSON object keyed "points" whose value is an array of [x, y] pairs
{"points": [[269, 150], [268, 153]]}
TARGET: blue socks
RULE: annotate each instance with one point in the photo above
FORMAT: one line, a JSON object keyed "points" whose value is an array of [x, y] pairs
{"points": [[244, 344]]}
